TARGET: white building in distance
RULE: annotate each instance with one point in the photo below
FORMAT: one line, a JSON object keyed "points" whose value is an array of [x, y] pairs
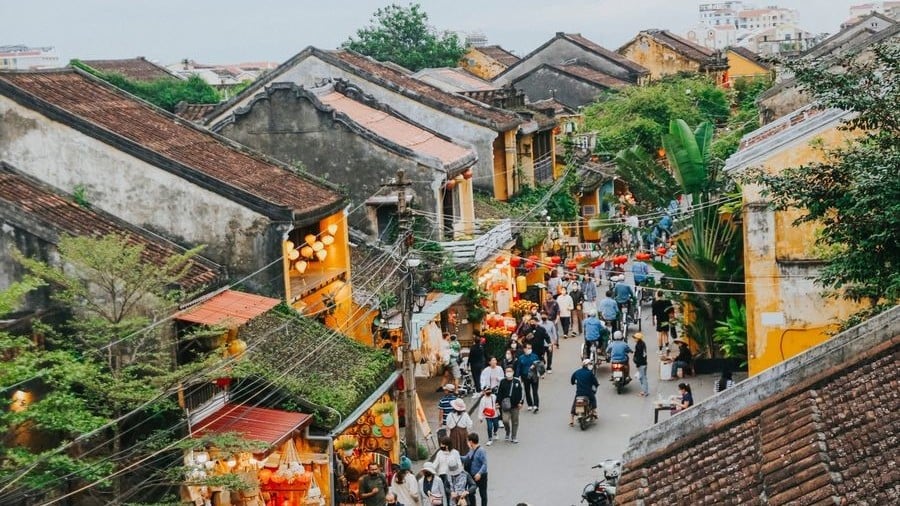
{"points": [[21, 57]]}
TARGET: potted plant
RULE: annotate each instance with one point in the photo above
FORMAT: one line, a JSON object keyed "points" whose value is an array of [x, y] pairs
{"points": [[346, 444]]}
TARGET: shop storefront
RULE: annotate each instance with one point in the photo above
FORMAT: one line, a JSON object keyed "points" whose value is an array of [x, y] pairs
{"points": [[291, 468], [371, 434]]}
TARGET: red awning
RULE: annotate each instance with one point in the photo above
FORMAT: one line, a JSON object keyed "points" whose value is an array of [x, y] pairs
{"points": [[269, 425], [229, 308]]}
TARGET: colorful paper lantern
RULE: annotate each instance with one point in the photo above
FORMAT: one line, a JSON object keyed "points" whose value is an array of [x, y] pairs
{"points": [[449, 185], [293, 255], [332, 229], [310, 239], [533, 258], [236, 347], [521, 284], [530, 265], [661, 250], [327, 240], [555, 260], [301, 266], [571, 265], [515, 261], [321, 254], [307, 252]]}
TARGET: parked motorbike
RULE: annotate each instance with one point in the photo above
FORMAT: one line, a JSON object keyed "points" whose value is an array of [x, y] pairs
{"points": [[583, 412], [603, 491], [620, 375]]}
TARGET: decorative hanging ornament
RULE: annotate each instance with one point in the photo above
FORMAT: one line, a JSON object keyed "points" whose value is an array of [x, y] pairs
{"points": [[318, 246], [327, 240], [555, 260], [301, 266], [500, 260], [321, 254], [515, 261], [332, 229], [289, 245], [310, 239], [294, 254], [530, 264], [307, 252], [662, 250]]}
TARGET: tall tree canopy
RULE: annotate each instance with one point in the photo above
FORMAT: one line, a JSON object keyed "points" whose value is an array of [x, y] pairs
{"points": [[855, 193], [402, 35]]}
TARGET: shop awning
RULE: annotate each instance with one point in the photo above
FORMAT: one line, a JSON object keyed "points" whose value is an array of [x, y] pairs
{"points": [[435, 305], [262, 424], [366, 404], [229, 308]]}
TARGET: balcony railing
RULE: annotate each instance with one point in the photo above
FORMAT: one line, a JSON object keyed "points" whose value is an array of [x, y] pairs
{"points": [[482, 246], [543, 168]]}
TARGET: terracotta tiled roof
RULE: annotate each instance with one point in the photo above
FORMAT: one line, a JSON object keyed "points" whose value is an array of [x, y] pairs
{"points": [[499, 54], [681, 45], [593, 75], [396, 130], [424, 92], [819, 428], [194, 112], [453, 80], [589, 45], [230, 308], [72, 96], [138, 69], [38, 203], [551, 104], [750, 55], [269, 425]]}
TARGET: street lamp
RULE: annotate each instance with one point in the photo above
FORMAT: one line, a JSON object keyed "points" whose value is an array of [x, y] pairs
{"points": [[420, 295]]}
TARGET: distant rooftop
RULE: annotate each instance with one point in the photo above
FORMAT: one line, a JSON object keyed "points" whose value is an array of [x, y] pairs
{"points": [[138, 69]]}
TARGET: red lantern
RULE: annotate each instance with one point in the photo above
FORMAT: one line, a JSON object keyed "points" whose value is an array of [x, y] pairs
{"points": [[661, 250], [515, 261], [620, 260], [643, 255], [555, 260], [571, 265], [533, 258], [530, 265]]}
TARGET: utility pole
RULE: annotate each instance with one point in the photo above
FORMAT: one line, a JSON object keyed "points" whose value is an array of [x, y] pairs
{"points": [[406, 301]]}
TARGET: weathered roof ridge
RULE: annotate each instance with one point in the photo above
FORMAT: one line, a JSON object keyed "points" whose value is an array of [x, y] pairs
{"points": [[861, 343], [828, 40], [499, 54], [265, 185], [399, 82], [750, 55], [680, 45], [584, 72], [138, 68], [321, 97], [63, 215]]}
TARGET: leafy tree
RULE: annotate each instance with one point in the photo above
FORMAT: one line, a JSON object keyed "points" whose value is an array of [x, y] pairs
{"points": [[855, 193], [641, 115], [164, 93], [402, 35], [94, 369]]}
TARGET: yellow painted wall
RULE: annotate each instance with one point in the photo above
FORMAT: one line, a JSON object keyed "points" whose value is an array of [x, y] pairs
{"points": [[739, 67], [786, 311], [657, 58], [481, 65], [590, 199]]}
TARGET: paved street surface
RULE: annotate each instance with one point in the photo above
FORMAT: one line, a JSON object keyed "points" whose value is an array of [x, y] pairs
{"points": [[552, 463]]}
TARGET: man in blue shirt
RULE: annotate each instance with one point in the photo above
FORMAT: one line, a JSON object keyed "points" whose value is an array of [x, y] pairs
{"points": [[476, 462], [608, 308], [585, 385], [641, 272], [618, 349], [526, 370], [595, 334]]}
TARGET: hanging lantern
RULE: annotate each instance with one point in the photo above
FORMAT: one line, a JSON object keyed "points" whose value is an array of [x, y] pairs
{"points": [[327, 240], [289, 245], [468, 173], [301, 266], [661, 250], [321, 254], [332, 229], [521, 284], [530, 265], [500, 260], [515, 261], [620, 260], [318, 246], [310, 239], [307, 252], [293, 255], [237, 347], [571, 265], [555, 260], [533, 258], [643, 255]]}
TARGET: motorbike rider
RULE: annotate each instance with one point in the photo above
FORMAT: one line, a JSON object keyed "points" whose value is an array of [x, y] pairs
{"points": [[624, 296], [595, 334], [609, 310], [618, 351], [585, 385]]}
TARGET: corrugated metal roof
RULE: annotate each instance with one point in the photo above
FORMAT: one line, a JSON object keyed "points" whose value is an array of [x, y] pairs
{"points": [[230, 308], [269, 425]]}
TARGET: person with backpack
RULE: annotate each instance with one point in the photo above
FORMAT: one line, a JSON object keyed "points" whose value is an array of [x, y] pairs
{"points": [[511, 393], [489, 413], [477, 466], [530, 369]]}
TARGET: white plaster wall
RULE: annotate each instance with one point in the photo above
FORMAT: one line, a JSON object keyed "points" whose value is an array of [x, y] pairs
{"points": [[312, 71], [131, 189]]}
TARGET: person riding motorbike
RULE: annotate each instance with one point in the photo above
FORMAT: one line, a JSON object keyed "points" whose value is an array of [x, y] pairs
{"points": [[624, 296], [595, 334], [609, 310], [585, 385], [618, 351]]}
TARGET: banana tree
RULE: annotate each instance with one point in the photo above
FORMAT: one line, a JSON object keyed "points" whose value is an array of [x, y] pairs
{"points": [[688, 154]]}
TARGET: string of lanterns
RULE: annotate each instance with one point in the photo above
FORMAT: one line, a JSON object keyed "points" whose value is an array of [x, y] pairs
{"points": [[313, 248]]}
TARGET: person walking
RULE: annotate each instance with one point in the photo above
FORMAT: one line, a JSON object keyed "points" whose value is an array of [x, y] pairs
{"points": [[373, 486], [390, 499], [550, 328], [477, 463], [589, 292], [511, 393], [566, 306], [491, 375], [640, 363], [539, 340], [458, 423], [431, 487], [477, 360], [445, 406], [489, 413], [551, 307], [404, 486], [528, 371], [448, 462], [574, 290], [660, 311], [554, 283], [510, 357]]}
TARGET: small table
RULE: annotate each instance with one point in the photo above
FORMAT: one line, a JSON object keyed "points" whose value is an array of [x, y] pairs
{"points": [[664, 406]]}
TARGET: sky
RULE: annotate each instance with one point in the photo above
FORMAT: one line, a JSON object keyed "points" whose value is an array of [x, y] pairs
{"points": [[231, 31]]}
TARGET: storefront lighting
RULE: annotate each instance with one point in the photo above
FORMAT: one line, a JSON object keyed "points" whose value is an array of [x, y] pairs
{"points": [[294, 254], [289, 245], [321, 254], [318, 246], [301, 266], [307, 252], [310, 239], [421, 295], [327, 240], [332, 229]]}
